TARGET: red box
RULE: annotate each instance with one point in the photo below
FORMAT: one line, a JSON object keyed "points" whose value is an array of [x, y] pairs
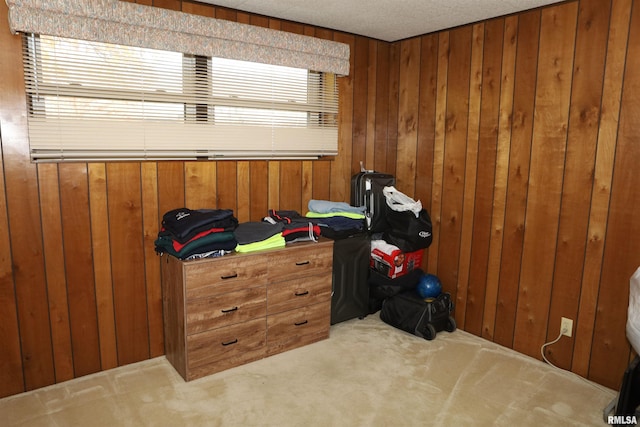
{"points": [[397, 263]]}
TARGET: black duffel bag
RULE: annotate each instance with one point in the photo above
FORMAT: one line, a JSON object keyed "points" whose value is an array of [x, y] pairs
{"points": [[409, 224], [424, 318]]}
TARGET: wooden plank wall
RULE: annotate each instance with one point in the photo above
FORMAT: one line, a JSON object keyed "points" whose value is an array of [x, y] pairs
{"points": [[79, 278], [519, 135], [529, 124]]}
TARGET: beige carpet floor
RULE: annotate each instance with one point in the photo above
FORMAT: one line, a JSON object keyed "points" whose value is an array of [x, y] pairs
{"points": [[365, 374]]}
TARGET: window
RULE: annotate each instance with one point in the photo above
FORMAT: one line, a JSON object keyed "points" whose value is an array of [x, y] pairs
{"points": [[99, 101]]}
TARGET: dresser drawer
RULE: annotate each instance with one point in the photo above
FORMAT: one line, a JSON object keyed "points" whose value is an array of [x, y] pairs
{"points": [[222, 348], [296, 293], [310, 260], [224, 274], [299, 327], [226, 309]]}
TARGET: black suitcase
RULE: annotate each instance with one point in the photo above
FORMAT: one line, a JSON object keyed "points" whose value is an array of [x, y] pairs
{"points": [[421, 317], [366, 190], [350, 289]]}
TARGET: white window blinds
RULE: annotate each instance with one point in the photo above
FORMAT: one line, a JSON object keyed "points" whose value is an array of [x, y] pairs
{"points": [[98, 101]]}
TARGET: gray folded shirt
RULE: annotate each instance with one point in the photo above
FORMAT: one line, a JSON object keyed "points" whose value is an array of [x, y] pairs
{"points": [[251, 232]]}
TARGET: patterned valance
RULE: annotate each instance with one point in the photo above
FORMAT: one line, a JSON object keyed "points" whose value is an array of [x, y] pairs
{"points": [[113, 21]]}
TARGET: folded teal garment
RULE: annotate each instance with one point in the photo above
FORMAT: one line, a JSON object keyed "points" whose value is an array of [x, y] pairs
{"points": [[352, 215], [276, 241], [327, 206]]}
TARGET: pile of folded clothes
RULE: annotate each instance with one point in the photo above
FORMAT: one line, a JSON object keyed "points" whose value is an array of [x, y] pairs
{"points": [[191, 234], [258, 235], [202, 233], [275, 230], [337, 220], [295, 227]]}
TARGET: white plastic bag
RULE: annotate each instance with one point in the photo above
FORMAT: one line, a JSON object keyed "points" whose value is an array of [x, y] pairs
{"points": [[400, 202], [633, 311]]}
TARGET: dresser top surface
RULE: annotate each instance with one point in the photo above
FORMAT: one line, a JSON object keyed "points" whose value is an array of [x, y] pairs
{"points": [[322, 243]]}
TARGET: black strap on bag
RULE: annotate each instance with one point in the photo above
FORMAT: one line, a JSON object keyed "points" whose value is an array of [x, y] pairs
{"points": [[382, 287]]}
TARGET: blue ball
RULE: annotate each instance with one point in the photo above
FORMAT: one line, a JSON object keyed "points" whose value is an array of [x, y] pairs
{"points": [[429, 286]]}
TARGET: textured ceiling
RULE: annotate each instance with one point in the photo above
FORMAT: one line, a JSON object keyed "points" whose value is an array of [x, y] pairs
{"points": [[388, 20]]}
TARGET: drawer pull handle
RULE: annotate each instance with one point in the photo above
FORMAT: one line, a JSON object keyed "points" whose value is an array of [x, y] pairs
{"points": [[301, 294], [230, 310], [301, 323], [302, 263], [231, 276], [230, 342]]}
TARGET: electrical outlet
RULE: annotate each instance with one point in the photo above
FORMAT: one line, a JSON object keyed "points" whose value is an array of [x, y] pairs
{"points": [[566, 326]]}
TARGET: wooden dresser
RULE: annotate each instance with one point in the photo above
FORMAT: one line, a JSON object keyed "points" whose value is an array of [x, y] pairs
{"points": [[227, 311]]}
